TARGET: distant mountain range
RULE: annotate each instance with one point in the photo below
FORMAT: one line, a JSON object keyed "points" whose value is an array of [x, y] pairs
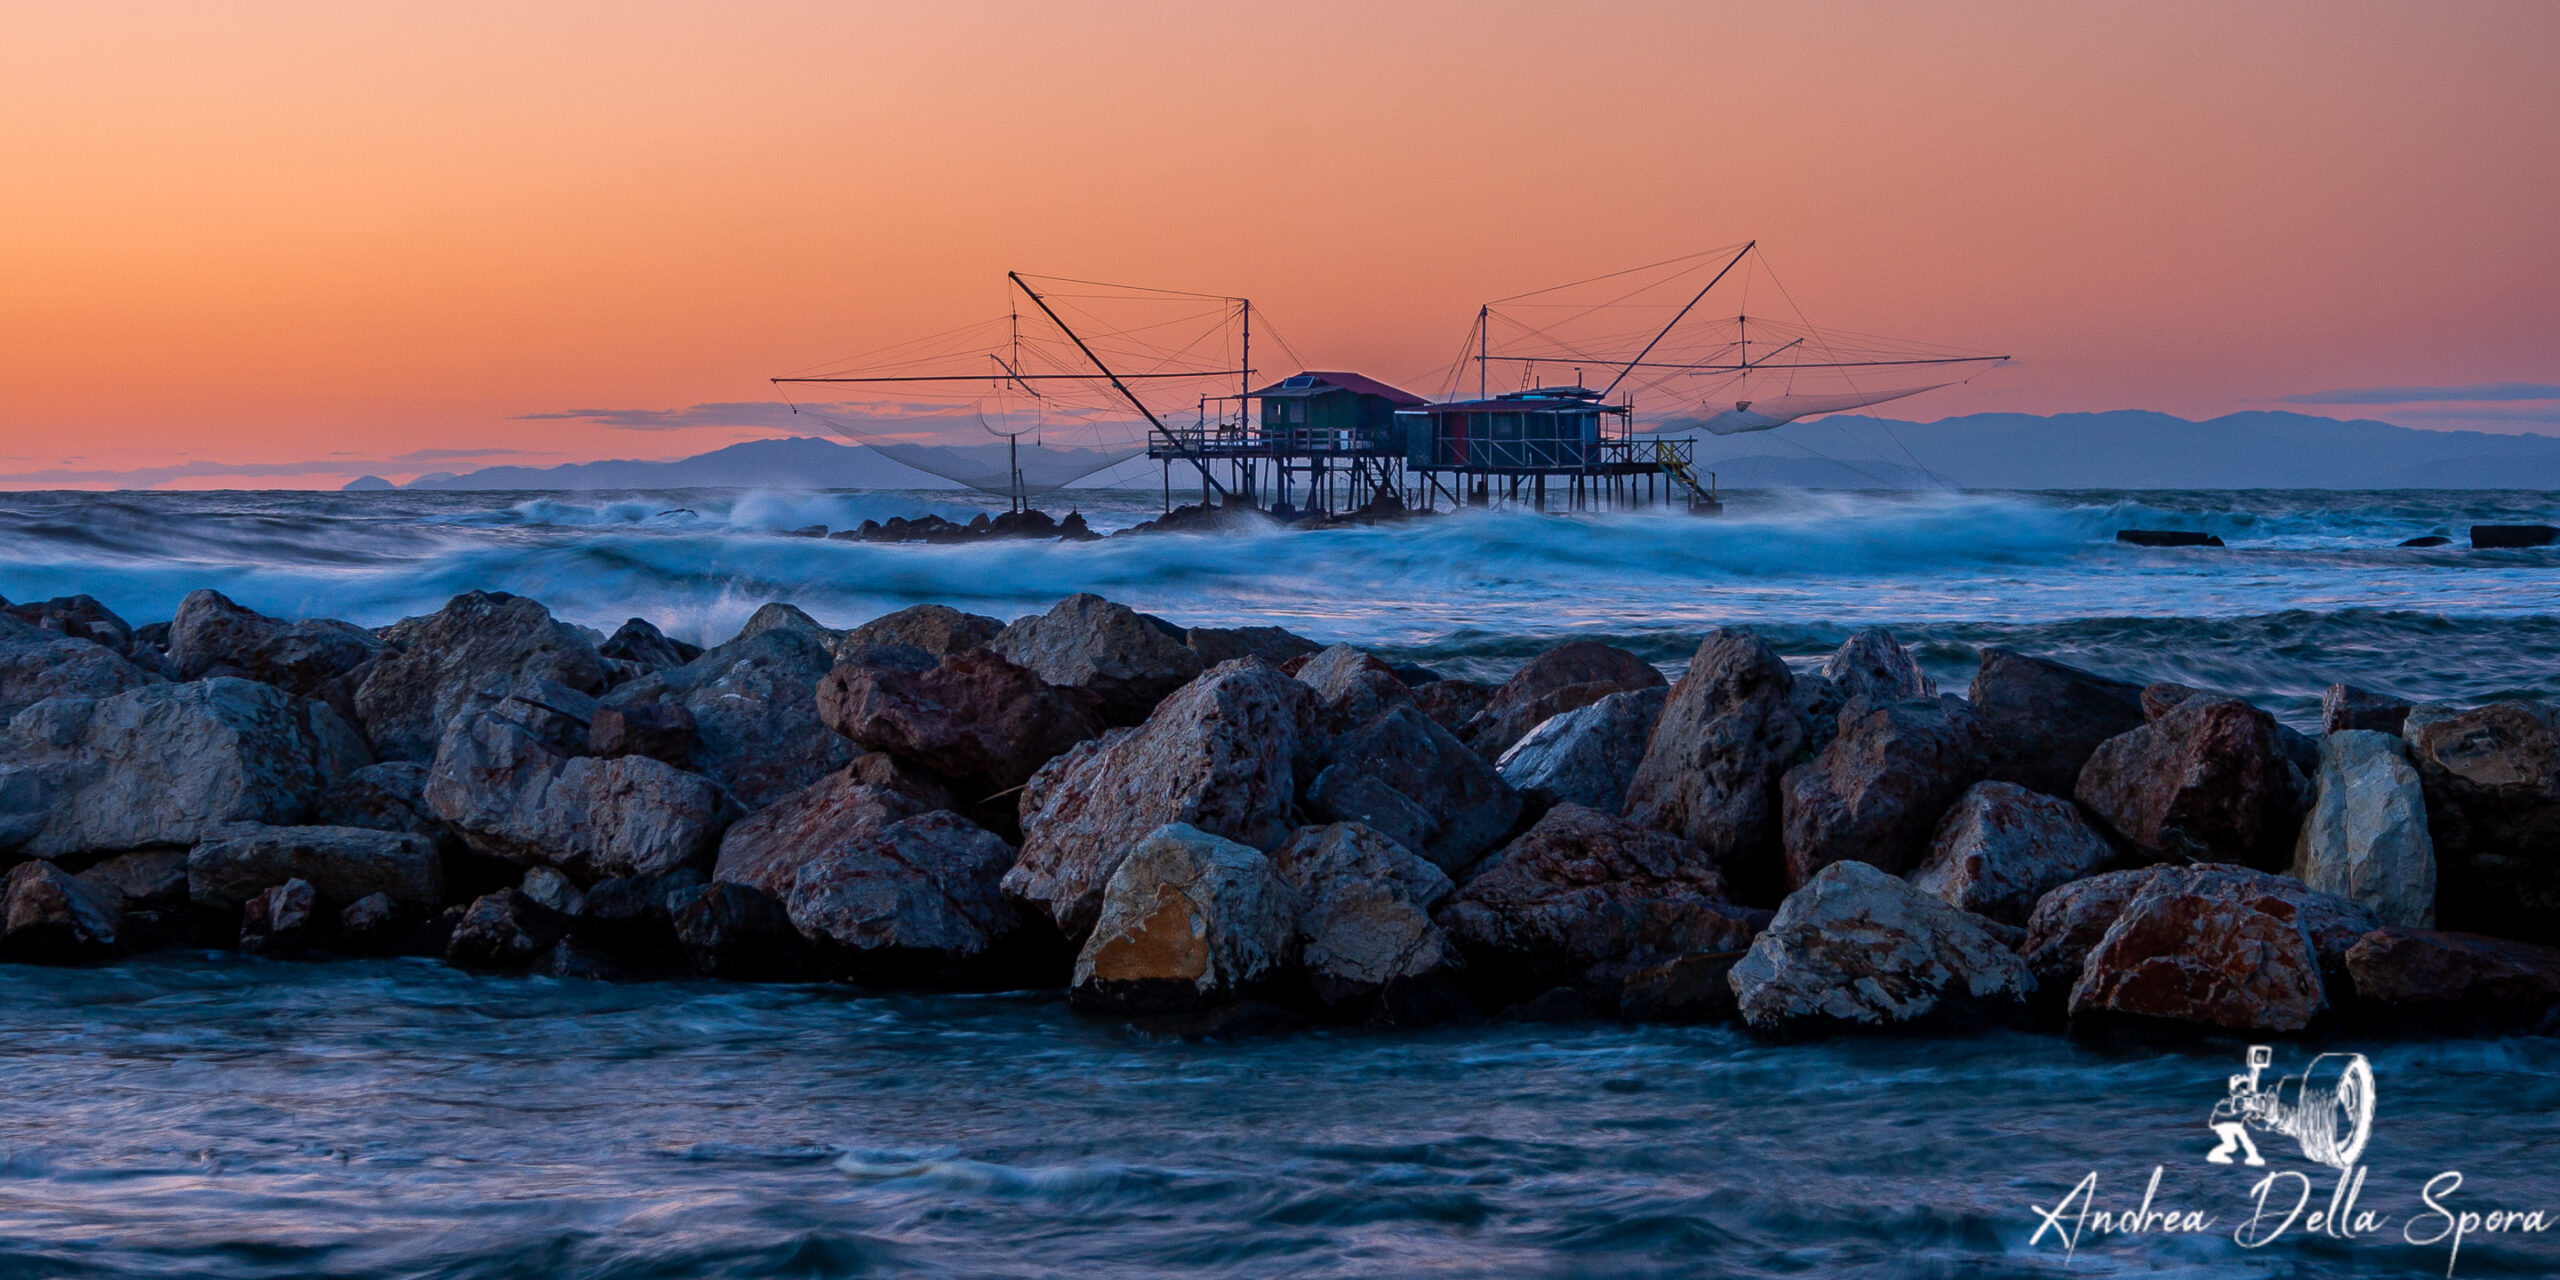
{"points": [[2125, 449]]}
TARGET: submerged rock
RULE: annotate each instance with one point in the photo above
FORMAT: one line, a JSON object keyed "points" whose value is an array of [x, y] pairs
{"points": [[1860, 949], [1127, 660], [1574, 674], [1876, 793], [2206, 782], [1220, 755], [1188, 920], [1588, 755], [1729, 729], [2366, 839], [2002, 848], [2491, 779], [440, 662], [1583, 900], [2046, 719]]}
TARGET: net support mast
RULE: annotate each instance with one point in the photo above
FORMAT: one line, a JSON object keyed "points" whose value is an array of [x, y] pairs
{"points": [[1207, 481]]}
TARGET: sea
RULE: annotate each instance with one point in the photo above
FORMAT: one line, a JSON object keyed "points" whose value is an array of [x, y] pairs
{"points": [[206, 1115]]}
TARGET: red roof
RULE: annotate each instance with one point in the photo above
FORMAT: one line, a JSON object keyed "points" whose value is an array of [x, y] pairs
{"points": [[1351, 382]]}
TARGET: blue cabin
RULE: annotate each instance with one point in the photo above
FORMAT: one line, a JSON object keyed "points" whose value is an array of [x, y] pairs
{"points": [[1548, 429], [1319, 412]]}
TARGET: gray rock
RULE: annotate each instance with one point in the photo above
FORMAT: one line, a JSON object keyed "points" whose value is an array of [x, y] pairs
{"points": [[767, 848], [160, 765], [213, 636], [2366, 839], [1354, 686], [738, 932], [1583, 899], [641, 645], [1127, 660], [1588, 755], [36, 664], [78, 617], [1859, 949], [1364, 923], [1819, 701], [1710, 773], [2070, 919], [143, 878], [1222, 754], [390, 796], [1574, 674], [504, 930], [2344, 706], [1876, 793], [1188, 920], [658, 730], [2491, 777], [553, 890], [2002, 848], [755, 707], [442, 661], [2046, 719], [281, 920], [48, 916], [237, 862], [509, 795], [915, 902], [975, 718], [1872, 664], [1413, 780], [1690, 988], [939, 630]]}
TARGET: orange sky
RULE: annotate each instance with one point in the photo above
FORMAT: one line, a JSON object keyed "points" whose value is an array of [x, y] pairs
{"points": [[260, 244]]}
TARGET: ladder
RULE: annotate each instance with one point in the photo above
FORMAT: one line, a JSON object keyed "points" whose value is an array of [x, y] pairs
{"points": [[1676, 467]]}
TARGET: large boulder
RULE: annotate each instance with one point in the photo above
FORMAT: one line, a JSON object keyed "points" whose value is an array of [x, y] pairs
{"points": [[1126, 659], [1710, 772], [211, 635], [36, 664], [48, 916], [1414, 781], [915, 902], [1583, 899], [1876, 793], [2366, 838], [1574, 674], [1860, 949], [767, 848], [1588, 755], [1223, 755], [2491, 778], [975, 718], [754, 702], [439, 662], [2208, 781], [1365, 936], [2220, 946], [938, 629], [1188, 920], [344, 864], [163, 764], [2002, 848], [502, 784], [2458, 977], [2046, 719], [1871, 664]]}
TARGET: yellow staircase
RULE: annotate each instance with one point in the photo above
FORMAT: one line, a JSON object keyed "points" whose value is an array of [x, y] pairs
{"points": [[1678, 468]]}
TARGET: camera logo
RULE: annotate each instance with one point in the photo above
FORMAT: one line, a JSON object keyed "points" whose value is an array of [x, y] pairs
{"points": [[2327, 1110]]}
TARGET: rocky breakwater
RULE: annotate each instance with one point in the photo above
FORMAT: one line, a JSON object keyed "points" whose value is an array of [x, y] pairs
{"points": [[1232, 828]]}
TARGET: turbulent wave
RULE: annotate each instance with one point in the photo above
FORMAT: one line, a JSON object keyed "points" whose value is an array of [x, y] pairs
{"points": [[2311, 588]]}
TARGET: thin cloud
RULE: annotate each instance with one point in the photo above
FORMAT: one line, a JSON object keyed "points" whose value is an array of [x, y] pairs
{"points": [[736, 413], [2431, 395], [2484, 415]]}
